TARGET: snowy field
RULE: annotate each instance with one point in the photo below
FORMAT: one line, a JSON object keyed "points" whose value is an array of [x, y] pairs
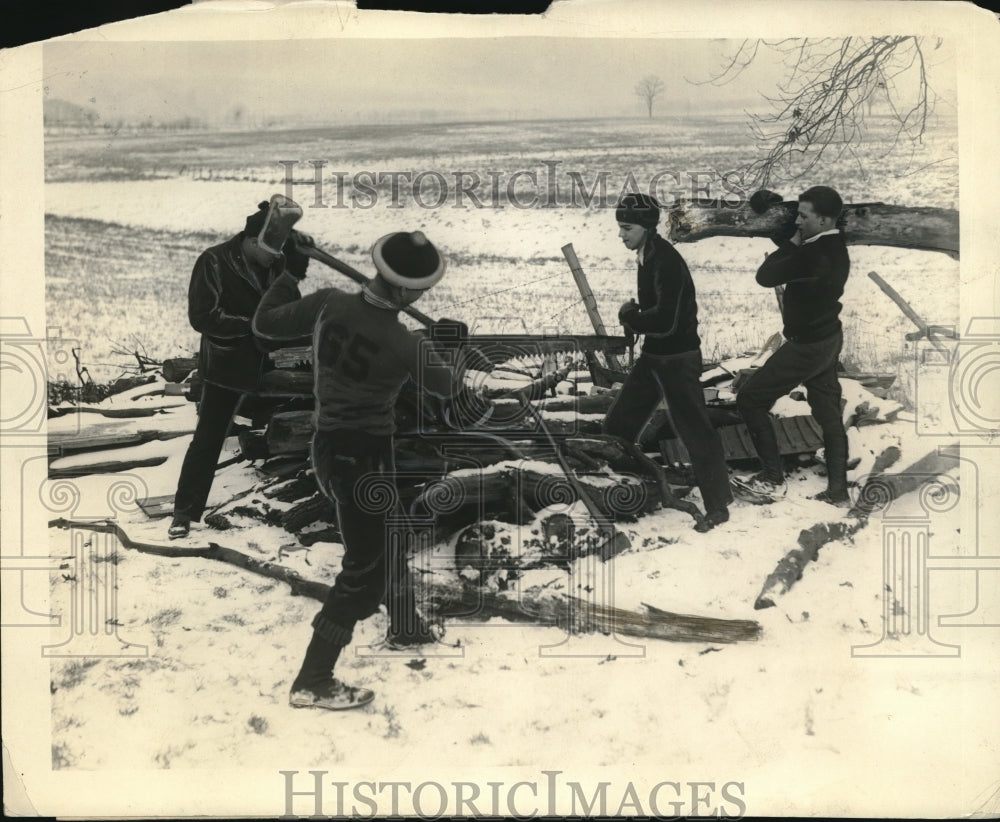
{"points": [[120, 281]]}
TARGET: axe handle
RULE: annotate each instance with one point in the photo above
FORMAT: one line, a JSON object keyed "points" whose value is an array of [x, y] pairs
{"points": [[358, 277]]}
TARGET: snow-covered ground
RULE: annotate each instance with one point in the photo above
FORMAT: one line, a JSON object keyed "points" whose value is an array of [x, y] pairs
{"points": [[802, 721], [209, 652]]}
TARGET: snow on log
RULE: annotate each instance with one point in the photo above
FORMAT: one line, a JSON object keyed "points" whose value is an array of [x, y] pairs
{"points": [[790, 567], [878, 493], [933, 229]]}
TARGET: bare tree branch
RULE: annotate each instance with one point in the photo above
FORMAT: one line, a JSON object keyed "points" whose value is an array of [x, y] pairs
{"points": [[829, 97]]}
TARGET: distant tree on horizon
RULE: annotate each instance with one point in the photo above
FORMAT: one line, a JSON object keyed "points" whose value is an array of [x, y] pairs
{"points": [[648, 89]]}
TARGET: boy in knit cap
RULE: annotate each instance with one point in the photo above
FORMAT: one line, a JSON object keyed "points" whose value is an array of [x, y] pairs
{"points": [[813, 266], [669, 366], [227, 283], [362, 357]]}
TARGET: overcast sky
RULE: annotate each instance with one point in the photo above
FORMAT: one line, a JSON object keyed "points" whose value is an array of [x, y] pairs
{"points": [[371, 80]]}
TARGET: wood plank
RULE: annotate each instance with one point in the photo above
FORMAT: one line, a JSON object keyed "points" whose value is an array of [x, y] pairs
{"points": [[796, 435], [105, 467]]}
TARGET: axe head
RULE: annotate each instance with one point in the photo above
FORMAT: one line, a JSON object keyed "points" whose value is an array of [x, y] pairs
{"points": [[282, 214]]}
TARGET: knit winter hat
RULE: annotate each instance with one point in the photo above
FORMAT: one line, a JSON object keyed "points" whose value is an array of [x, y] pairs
{"points": [[255, 222], [408, 260], [638, 209]]}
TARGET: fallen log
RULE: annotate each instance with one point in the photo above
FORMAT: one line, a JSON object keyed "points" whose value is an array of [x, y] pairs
{"points": [[789, 569], [469, 496], [105, 467], [313, 509], [576, 616], [124, 413], [880, 490], [298, 584], [536, 389], [447, 596], [586, 404], [933, 229], [297, 488], [878, 493]]}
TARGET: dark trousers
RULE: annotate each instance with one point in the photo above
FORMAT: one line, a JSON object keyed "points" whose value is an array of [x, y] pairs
{"points": [[814, 365], [355, 470], [215, 413], [677, 379]]}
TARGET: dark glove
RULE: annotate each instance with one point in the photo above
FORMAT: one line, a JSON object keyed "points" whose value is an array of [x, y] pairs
{"points": [[449, 332], [296, 261], [785, 232], [627, 310], [763, 200]]}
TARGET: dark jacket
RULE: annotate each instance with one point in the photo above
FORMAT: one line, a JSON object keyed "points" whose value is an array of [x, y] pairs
{"points": [[667, 312], [222, 298], [814, 275]]}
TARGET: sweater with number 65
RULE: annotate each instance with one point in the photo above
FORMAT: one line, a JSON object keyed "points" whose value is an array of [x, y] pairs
{"points": [[362, 354]]}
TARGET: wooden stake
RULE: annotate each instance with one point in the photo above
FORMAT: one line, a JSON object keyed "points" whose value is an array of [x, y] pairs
{"points": [[905, 307], [588, 299]]}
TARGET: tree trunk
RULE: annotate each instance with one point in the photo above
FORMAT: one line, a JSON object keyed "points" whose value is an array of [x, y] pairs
{"points": [[934, 229]]}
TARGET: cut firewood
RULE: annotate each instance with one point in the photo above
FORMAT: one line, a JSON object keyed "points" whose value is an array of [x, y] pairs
{"points": [[290, 432], [176, 369], [315, 508]]}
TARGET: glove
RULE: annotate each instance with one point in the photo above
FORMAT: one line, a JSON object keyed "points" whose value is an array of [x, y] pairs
{"points": [[296, 261], [785, 233], [628, 309], [301, 239]]}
